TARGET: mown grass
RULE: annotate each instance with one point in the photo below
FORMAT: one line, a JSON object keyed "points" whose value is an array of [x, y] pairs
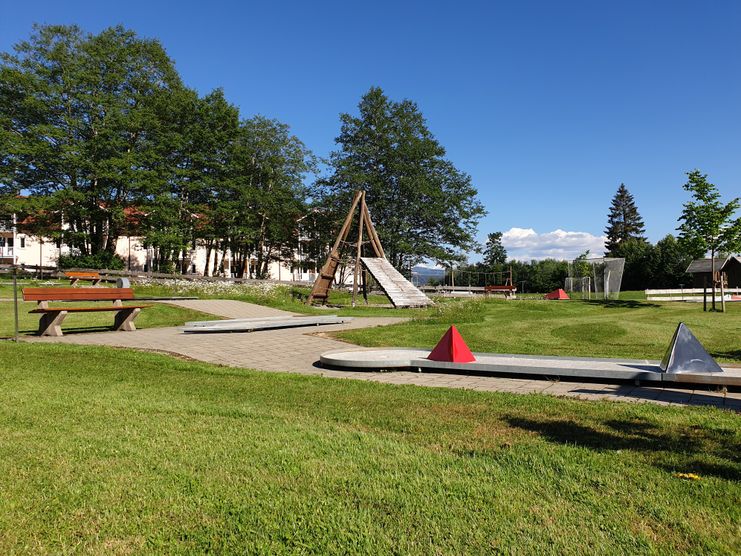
{"points": [[113, 451], [287, 298], [629, 328]]}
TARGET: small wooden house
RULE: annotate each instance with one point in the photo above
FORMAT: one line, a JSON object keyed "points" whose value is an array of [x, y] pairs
{"points": [[701, 269]]}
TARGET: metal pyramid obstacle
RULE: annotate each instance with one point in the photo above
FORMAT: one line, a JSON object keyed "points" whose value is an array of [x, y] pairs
{"points": [[686, 354], [452, 348], [398, 289], [557, 294]]}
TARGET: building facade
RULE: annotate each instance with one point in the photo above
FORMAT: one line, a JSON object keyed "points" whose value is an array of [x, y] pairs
{"points": [[701, 271], [25, 249]]}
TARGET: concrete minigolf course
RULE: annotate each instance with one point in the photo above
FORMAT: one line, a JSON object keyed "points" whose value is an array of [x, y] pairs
{"points": [[698, 370], [259, 323]]}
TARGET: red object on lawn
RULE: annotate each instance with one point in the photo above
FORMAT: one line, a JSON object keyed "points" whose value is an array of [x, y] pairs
{"points": [[557, 294], [452, 348]]}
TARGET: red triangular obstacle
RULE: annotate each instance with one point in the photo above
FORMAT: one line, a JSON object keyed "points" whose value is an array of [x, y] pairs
{"points": [[557, 294], [452, 348]]}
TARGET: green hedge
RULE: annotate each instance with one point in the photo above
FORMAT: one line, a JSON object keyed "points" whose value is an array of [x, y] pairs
{"points": [[102, 260]]}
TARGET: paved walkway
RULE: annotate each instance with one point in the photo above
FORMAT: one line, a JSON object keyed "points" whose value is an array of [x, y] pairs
{"points": [[298, 349], [230, 309]]}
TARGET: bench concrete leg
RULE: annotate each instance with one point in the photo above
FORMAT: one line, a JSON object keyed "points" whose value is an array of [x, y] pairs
{"points": [[50, 324], [96, 281], [125, 319], [73, 281]]}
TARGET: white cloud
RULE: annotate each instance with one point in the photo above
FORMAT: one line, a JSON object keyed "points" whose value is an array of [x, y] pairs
{"points": [[525, 244], [428, 265]]}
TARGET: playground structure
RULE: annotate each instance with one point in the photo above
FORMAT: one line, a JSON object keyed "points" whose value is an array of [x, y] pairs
{"points": [[503, 285], [599, 278], [400, 291]]}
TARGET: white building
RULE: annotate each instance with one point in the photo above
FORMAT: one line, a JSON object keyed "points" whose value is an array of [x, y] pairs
{"points": [[28, 250]]}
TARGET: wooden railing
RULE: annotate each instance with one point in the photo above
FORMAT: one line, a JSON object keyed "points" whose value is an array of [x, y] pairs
{"points": [[113, 275]]}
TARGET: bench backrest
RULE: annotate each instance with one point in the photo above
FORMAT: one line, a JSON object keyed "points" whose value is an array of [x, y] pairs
{"points": [[77, 294], [82, 275]]}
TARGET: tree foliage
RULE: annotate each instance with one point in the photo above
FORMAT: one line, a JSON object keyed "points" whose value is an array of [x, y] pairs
{"points": [[422, 206], [78, 118], [103, 135], [707, 224], [623, 222], [494, 251]]}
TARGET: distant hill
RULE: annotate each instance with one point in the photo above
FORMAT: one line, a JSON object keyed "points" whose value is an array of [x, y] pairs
{"points": [[421, 275]]}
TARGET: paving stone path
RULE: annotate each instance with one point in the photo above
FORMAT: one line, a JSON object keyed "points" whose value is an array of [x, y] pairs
{"points": [[297, 350]]}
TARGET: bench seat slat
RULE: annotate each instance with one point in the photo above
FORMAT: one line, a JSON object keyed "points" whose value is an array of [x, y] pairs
{"points": [[82, 274], [77, 294], [88, 309]]}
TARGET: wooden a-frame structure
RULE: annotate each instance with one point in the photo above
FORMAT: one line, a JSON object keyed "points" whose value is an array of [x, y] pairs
{"points": [[323, 282], [399, 290]]}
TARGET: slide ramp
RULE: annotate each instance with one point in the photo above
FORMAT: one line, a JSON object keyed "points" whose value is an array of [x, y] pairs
{"points": [[399, 290]]}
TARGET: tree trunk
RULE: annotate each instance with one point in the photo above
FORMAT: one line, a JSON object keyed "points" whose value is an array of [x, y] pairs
{"points": [[215, 268], [223, 268], [712, 277], [208, 258]]}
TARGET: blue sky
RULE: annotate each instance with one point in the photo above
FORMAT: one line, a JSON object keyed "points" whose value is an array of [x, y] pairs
{"points": [[548, 105]]}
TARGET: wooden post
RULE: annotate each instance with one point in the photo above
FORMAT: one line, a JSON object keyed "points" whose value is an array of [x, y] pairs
{"points": [[705, 293], [15, 301], [712, 277], [372, 234], [365, 285], [722, 294], [359, 249]]}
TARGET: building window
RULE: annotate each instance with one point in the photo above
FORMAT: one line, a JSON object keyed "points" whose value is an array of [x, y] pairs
{"points": [[23, 242]]}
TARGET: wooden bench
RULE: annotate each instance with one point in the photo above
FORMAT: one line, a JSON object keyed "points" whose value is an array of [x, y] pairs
{"points": [[75, 277], [508, 291], [52, 317]]}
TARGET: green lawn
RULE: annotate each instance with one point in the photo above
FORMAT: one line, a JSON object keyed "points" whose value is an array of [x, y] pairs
{"points": [[630, 328], [287, 298], [113, 451]]}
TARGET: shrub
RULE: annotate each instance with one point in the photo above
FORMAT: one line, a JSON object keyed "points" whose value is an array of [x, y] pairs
{"points": [[103, 260]]}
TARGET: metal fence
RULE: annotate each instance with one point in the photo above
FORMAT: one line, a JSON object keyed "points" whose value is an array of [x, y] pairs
{"points": [[595, 278]]}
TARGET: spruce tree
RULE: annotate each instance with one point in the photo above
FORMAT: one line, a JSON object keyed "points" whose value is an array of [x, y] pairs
{"points": [[623, 222], [494, 252]]}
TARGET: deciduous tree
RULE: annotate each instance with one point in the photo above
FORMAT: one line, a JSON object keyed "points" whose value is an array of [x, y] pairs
{"points": [[422, 205], [78, 117], [707, 224]]}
